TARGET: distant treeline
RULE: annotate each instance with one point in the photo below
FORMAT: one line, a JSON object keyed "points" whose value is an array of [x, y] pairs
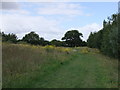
{"points": [[71, 38], [108, 38]]}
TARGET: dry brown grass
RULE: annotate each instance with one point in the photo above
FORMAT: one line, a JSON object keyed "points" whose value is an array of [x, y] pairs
{"points": [[19, 58]]}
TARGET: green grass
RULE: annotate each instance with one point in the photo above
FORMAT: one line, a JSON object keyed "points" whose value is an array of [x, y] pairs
{"points": [[85, 71], [84, 68]]}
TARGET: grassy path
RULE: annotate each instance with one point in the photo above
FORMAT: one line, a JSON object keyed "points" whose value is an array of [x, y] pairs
{"points": [[26, 66], [85, 71]]}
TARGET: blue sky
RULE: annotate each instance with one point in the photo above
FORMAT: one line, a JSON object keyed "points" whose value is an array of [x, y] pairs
{"points": [[52, 20]]}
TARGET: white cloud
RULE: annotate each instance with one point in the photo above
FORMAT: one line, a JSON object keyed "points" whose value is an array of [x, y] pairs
{"points": [[85, 30], [20, 11], [62, 0], [60, 9], [21, 24], [37, 0], [49, 29], [46, 9]]}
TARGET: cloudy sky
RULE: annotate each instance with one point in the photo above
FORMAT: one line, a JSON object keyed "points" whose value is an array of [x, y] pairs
{"points": [[52, 19]]}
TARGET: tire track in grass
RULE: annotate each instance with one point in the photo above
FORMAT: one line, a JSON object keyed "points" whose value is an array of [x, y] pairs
{"points": [[78, 73], [85, 71]]}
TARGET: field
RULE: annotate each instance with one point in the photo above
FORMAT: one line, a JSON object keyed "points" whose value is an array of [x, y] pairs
{"points": [[27, 66]]}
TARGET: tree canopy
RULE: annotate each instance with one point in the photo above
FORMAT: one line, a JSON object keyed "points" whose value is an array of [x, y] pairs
{"points": [[31, 38], [8, 37], [108, 38], [73, 38], [56, 42]]}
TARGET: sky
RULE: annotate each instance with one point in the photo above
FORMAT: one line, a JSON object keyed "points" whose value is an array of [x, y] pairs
{"points": [[52, 20]]}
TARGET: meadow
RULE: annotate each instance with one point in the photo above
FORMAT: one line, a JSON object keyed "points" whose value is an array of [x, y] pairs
{"points": [[29, 66]]}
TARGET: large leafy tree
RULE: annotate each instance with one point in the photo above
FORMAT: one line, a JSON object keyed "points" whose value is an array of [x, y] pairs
{"points": [[31, 38], [73, 38]]}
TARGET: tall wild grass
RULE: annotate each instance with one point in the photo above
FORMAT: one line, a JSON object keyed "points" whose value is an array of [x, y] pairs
{"points": [[18, 59]]}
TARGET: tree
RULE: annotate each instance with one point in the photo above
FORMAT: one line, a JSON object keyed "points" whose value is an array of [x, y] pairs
{"points": [[56, 42], [118, 34], [46, 43], [104, 23], [90, 40], [9, 37], [73, 38], [84, 43], [95, 39], [31, 38], [108, 38], [42, 41], [0, 37]]}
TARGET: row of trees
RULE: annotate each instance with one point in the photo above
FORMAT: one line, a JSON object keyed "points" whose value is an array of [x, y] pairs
{"points": [[71, 39], [108, 38]]}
